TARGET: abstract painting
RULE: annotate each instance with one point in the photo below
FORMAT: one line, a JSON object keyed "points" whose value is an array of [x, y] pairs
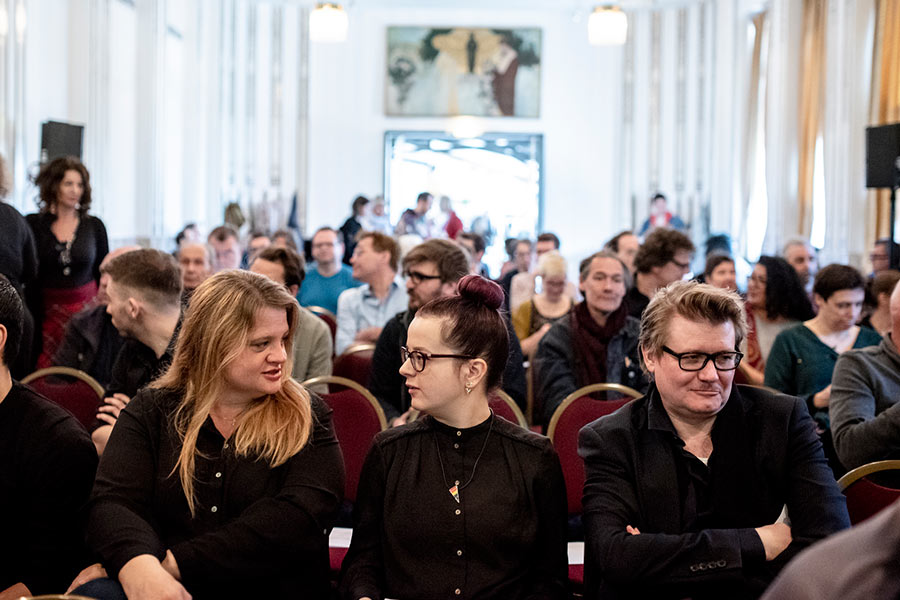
{"points": [[463, 71]]}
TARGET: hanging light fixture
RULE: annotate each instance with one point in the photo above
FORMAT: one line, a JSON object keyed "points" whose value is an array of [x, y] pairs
{"points": [[607, 26], [328, 23]]}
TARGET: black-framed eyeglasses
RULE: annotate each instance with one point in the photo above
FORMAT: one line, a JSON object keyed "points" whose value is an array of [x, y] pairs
{"points": [[418, 277], [418, 359], [680, 265], [696, 361]]}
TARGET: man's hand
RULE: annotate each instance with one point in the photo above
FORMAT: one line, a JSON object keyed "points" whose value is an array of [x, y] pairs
{"points": [[111, 407], [144, 578], [95, 571], [632, 530], [171, 565], [822, 398], [15, 591], [775, 538], [369, 334]]}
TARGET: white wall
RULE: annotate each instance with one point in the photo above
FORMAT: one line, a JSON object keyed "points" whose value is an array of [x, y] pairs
{"points": [[579, 118]]}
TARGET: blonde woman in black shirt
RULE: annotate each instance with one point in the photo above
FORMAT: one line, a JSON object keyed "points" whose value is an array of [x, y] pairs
{"points": [[222, 478], [460, 503]]}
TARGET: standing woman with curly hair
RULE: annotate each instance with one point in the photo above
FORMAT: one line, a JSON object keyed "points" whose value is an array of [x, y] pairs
{"points": [[222, 478], [70, 246]]}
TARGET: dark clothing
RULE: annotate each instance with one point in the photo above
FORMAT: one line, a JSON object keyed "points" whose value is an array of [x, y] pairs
{"points": [[18, 255], [506, 283], [91, 344], [88, 250], [697, 523], [591, 340], [258, 532], [636, 302], [555, 364], [47, 465], [504, 539], [389, 387], [137, 365], [18, 261], [348, 230]]}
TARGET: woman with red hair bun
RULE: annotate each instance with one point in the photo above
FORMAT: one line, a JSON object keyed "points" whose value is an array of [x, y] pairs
{"points": [[460, 503]]}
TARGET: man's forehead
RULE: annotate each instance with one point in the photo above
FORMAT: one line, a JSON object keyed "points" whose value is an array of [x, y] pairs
{"points": [[425, 267], [324, 237]]}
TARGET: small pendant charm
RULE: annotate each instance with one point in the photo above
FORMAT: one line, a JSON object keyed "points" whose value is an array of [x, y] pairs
{"points": [[454, 491]]}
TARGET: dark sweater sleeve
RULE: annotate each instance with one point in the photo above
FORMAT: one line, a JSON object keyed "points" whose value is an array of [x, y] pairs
{"points": [[275, 532], [514, 374], [62, 470], [553, 364], [386, 383], [363, 572], [121, 523], [102, 244], [550, 569]]}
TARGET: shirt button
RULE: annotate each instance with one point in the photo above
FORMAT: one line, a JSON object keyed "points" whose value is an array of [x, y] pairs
{"points": [[458, 511], [214, 509], [456, 446], [459, 552], [218, 475], [458, 434], [457, 591]]}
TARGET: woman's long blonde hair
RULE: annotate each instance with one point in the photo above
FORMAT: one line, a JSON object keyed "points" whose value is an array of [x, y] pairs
{"points": [[215, 331]]}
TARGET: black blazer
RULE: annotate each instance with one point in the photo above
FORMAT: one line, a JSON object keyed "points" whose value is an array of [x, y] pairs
{"points": [[697, 524]]}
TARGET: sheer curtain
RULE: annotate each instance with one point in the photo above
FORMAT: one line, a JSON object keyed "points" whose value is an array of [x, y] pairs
{"points": [[812, 84]]}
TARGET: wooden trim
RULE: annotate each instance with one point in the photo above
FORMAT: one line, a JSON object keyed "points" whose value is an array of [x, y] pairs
{"points": [[329, 379], [70, 372], [584, 391]]}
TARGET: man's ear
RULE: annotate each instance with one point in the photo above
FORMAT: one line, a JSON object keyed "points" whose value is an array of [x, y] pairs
{"points": [[649, 359], [449, 288], [135, 307], [292, 290], [4, 338]]}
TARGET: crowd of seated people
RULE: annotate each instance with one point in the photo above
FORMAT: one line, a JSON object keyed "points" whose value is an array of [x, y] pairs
{"points": [[220, 473]]}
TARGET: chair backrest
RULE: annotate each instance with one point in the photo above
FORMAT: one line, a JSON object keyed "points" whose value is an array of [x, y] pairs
{"points": [[355, 363], [504, 406], [865, 497], [326, 315], [357, 417], [74, 390], [576, 411]]}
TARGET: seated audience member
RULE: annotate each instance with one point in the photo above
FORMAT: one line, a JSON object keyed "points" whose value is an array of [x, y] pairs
{"points": [[880, 257], [596, 343], [533, 318], [878, 301], [664, 257], [91, 342], [432, 270], [509, 246], [196, 260], [285, 238], [775, 302], [858, 564], [378, 220], [353, 226], [865, 399], [257, 241], [802, 359], [719, 272], [522, 255], [190, 233], [521, 287], [227, 246], [452, 224], [312, 340], [802, 256], [415, 221], [474, 243], [660, 217], [144, 292], [330, 277], [686, 488], [624, 245], [221, 479], [363, 311], [48, 465], [460, 502]]}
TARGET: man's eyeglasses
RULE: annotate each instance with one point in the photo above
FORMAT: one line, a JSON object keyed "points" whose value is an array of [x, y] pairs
{"points": [[683, 266], [696, 361], [417, 277], [418, 359]]}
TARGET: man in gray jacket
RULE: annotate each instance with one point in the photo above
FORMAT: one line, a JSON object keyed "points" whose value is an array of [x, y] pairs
{"points": [[596, 343], [865, 399]]}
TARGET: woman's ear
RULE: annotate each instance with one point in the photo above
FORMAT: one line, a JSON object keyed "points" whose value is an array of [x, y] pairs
{"points": [[474, 370]]}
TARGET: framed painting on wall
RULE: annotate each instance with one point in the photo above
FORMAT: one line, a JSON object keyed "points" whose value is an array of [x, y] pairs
{"points": [[485, 72]]}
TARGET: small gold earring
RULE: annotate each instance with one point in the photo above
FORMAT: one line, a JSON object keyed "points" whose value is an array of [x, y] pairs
{"points": [[468, 389]]}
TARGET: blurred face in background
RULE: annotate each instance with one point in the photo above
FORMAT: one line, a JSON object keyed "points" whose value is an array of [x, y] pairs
{"points": [[723, 276]]}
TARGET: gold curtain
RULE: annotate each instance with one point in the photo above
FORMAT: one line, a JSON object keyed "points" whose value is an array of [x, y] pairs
{"points": [[812, 106], [885, 90]]}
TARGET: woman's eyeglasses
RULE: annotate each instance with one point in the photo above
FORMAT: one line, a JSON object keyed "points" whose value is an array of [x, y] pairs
{"points": [[418, 359]]}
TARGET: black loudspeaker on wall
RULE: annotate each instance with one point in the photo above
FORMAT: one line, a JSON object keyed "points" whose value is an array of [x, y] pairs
{"points": [[60, 139], [882, 150]]}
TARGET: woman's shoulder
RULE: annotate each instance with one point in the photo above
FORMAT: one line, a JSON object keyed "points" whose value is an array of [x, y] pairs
{"points": [[159, 401], [519, 435]]}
